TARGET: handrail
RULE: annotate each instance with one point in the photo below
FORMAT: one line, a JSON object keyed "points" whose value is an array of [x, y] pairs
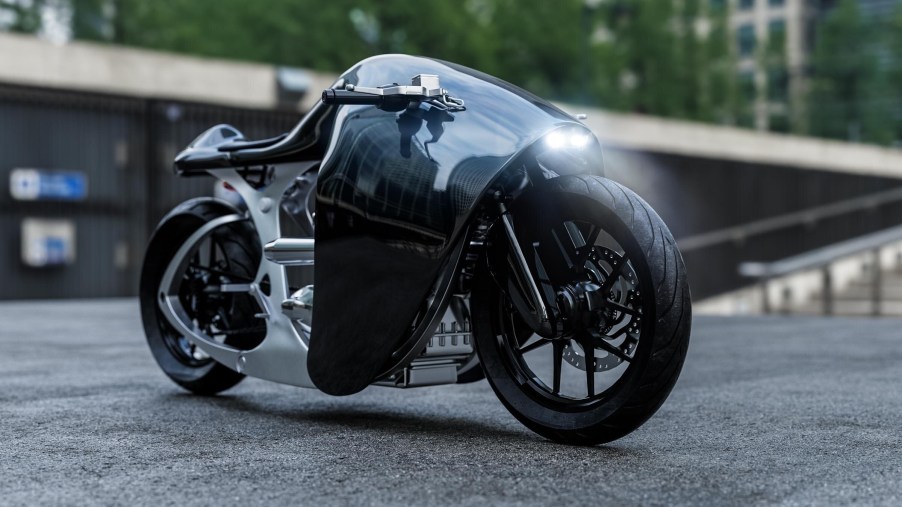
{"points": [[787, 220], [822, 258]]}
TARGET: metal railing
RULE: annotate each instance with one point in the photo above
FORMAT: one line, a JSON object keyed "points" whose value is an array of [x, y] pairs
{"points": [[804, 217], [822, 259]]}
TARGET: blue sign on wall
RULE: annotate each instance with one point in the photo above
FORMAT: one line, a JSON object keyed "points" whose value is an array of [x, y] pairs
{"points": [[48, 242], [44, 185]]}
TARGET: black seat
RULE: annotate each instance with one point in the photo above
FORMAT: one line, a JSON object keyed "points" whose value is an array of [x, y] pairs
{"points": [[225, 146], [243, 144]]}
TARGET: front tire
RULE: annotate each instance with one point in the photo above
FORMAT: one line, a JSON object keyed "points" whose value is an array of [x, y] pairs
{"points": [[629, 355]]}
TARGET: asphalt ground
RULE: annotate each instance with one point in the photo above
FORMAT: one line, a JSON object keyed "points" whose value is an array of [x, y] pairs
{"points": [[768, 411]]}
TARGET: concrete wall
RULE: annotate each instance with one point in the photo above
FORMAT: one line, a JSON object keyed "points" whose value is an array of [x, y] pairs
{"points": [[137, 72]]}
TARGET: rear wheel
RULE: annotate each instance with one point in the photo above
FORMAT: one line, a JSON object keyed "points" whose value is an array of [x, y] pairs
{"points": [[230, 254], [624, 313]]}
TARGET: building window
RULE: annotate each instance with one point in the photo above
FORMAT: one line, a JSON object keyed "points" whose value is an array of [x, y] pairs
{"points": [[776, 3], [746, 118], [777, 85], [778, 123], [747, 86], [746, 4], [776, 27], [776, 36], [746, 40]]}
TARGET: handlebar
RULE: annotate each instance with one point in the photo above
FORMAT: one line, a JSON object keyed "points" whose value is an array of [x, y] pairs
{"points": [[333, 96]]}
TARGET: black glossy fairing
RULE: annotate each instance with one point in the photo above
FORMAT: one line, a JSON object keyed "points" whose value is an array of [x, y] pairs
{"points": [[396, 191]]}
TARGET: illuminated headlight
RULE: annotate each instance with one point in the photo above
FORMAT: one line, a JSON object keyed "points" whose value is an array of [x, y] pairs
{"points": [[569, 149], [556, 140], [579, 140], [567, 139]]}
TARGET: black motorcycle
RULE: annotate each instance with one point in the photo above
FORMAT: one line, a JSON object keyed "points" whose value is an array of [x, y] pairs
{"points": [[463, 229]]}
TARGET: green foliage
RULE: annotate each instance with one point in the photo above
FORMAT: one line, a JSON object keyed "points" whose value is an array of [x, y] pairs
{"points": [[893, 44], [91, 20], [849, 96], [666, 58], [649, 59], [669, 59], [25, 15]]}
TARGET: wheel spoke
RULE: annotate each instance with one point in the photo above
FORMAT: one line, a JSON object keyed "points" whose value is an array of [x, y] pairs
{"points": [[603, 344], [245, 330], [575, 246], [614, 275], [582, 253], [212, 254], [214, 271], [589, 353], [558, 358], [621, 308]]}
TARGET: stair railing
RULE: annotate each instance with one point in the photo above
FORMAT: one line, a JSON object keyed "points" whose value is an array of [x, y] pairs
{"points": [[803, 217], [822, 259]]}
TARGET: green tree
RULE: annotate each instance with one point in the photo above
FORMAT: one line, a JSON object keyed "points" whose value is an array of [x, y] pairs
{"points": [[668, 59], [24, 15], [772, 60], [846, 80], [285, 32], [646, 56], [540, 47], [893, 48], [650, 71], [92, 19], [726, 103]]}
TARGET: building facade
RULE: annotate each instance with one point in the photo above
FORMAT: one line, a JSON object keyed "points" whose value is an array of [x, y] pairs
{"points": [[774, 41]]}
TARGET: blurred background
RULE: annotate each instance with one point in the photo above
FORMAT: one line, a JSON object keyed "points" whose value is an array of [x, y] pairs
{"points": [[766, 133]]}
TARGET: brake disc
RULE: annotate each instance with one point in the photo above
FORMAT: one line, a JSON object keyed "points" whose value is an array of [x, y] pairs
{"points": [[618, 328]]}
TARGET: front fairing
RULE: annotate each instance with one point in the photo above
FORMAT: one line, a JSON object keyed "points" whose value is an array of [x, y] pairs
{"points": [[395, 193]]}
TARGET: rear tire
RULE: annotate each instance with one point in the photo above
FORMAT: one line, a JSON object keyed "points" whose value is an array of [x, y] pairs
{"points": [[238, 255], [661, 334]]}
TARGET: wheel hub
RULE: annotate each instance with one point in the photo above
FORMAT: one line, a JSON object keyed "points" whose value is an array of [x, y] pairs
{"points": [[582, 305], [592, 310]]}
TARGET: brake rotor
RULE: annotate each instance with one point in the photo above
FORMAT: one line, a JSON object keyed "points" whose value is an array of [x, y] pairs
{"points": [[617, 328]]}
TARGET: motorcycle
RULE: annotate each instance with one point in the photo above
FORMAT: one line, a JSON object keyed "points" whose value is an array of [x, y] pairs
{"points": [[463, 229]]}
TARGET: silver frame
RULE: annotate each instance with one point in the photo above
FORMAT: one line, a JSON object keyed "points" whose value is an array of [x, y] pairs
{"points": [[282, 356]]}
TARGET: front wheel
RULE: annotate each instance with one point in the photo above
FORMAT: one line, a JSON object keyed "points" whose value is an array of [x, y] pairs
{"points": [[623, 312]]}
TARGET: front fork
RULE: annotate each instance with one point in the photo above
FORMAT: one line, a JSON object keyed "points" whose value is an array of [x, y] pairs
{"points": [[540, 316]]}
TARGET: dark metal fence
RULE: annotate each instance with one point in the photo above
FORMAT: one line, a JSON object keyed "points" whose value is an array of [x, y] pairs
{"points": [[124, 146]]}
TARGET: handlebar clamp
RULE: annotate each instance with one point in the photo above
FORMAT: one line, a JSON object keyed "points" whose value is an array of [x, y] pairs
{"points": [[423, 88]]}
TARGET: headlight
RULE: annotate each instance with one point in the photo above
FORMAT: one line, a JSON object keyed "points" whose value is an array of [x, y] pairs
{"points": [[569, 149], [567, 138]]}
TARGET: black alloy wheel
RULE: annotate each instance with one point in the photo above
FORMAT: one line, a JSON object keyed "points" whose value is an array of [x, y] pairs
{"points": [[623, 313]]}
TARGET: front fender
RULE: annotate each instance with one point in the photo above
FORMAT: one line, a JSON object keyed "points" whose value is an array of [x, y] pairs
{"points": [[395, 194]]}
